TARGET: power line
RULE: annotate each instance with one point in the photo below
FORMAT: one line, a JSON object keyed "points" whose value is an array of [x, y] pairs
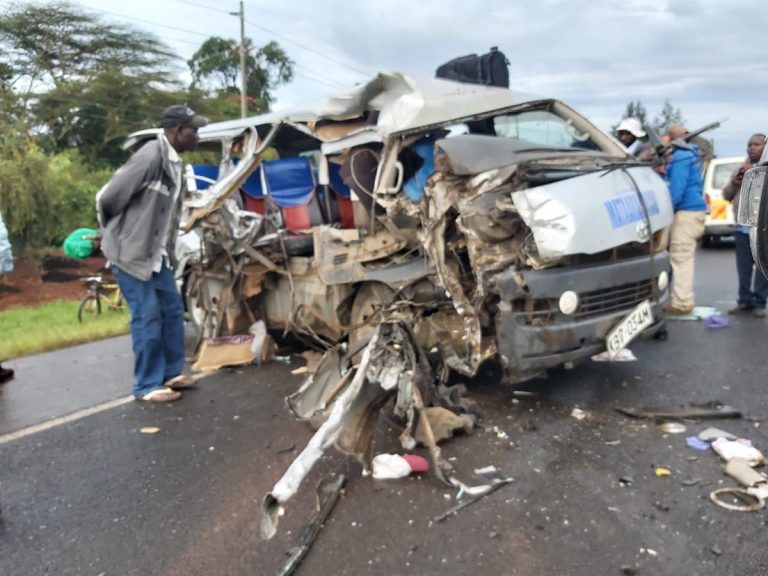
{"points": [[211, 8], [338, 84], [275, 34], [304, 47], [123, 16]]}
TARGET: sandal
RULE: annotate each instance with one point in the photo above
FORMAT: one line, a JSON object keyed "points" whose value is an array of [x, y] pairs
{"points": [[160, 395], [181, 382]]}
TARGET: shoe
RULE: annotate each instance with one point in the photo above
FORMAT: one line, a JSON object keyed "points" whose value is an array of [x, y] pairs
{"points": [[160, 395], [673, 310], [181, 382], [758, 312], [741, 309], [6, 374]]}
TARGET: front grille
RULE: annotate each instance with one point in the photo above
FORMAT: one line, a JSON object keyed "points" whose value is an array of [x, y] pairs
{"points": [[594, 303], [613, 299]]}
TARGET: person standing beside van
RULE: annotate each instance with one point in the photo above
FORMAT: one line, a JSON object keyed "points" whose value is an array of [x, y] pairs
{"points": [[139, 212], [629, 132], [6, 267], [753, 286], [683, 175]]}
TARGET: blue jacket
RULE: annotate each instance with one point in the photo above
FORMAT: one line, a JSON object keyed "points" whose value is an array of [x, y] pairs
{"points": [[6, 258], [684, 180]]}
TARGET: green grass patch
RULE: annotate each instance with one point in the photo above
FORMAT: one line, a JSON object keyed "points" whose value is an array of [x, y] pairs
{"points": [[32, 330]]}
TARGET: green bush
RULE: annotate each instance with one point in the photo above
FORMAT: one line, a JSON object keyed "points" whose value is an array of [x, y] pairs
{"points": [[44, 198]]}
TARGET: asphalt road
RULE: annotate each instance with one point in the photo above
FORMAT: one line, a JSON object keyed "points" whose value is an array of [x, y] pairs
{"points": [[91, 494]]}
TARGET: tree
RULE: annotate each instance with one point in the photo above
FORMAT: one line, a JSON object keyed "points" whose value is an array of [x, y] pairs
{"points": [[68, 80], [71, 80], [661, 122], [636, 110], [216, 67], [667, 117]]}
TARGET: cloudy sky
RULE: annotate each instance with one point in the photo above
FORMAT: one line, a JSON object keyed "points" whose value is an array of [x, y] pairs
{"points": [[705, 56]]}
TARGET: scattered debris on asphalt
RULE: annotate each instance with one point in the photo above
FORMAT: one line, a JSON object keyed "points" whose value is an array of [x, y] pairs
{"points": [[661, 472], [392, 466], [149, 430], [748, 502], [698, 313], [623, 355], [692, 481], [672, 427], [697, 443], [716, 321], [216, 353], [708, 410], [739, 448], [741, 470], [477, 493], [327, 495], [578, 414], [712, 433]]}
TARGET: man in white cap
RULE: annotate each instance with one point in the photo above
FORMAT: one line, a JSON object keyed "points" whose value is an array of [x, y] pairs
{"points": [[629, 131]]}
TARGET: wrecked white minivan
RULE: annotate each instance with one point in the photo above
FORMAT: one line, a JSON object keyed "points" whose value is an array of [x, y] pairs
{"points": [[410, 229], [506, 224]]}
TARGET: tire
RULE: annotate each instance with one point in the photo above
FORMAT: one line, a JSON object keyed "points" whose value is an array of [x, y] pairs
{"points": [[369, 298], [90, 308], [706, 241]]}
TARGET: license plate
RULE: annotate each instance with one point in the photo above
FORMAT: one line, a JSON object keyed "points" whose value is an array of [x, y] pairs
{"points": [[634, 323]]}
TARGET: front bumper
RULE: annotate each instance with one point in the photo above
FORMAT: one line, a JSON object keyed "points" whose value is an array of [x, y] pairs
{"points": [[531, 332], [720, 229]]}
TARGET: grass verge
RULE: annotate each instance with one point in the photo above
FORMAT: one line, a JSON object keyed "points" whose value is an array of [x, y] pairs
{"points": [[32, 330]]}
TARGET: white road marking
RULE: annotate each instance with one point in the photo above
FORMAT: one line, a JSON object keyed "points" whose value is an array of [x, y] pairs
{"points": [[10, 437]]}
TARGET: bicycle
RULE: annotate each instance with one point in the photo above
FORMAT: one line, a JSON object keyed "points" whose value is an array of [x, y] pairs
{"points": [[96, 291]]}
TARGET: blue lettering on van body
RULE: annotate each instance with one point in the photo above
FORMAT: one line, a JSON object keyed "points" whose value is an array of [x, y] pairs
{"points": [[627, 209]]}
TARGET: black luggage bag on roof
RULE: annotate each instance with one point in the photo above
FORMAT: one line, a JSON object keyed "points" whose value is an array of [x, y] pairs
{"points": [[490, 69]]}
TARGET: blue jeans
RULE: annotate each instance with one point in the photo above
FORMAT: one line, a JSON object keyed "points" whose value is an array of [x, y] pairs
{"points": [[747, 270], [157, 328]]}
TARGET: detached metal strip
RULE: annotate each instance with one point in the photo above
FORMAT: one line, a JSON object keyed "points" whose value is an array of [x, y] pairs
{"points": [[10, 437]]}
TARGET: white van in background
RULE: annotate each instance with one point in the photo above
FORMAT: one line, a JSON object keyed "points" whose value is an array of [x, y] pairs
{"points": [[721, 220]]}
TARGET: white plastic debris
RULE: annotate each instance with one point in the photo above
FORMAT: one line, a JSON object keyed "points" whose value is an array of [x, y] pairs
{"points": [[740, 448], [390, 466], [578, 413], [623, 355]]}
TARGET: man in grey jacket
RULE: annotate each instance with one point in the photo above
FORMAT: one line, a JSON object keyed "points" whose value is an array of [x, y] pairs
{"points": [[139, 211]]}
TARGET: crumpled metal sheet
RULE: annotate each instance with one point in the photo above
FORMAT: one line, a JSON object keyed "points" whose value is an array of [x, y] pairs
{"points": [[326, 435], [443, 197], [391, 364], [563, 224]]}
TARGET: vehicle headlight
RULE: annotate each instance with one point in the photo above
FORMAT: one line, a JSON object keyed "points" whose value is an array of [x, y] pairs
{"points": [[749, 196], [569, 302], [663, 281]]}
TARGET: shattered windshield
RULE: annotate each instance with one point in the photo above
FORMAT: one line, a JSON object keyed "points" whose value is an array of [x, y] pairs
{"points": [[542, 128]]}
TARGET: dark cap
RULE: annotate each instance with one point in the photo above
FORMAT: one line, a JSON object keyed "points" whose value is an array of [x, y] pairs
{"points": [[182, 115]]}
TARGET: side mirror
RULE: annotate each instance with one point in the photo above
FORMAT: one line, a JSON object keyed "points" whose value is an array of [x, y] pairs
{"points": [[753, 212]]}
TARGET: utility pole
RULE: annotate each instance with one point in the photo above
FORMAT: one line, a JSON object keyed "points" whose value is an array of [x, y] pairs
{"points": [[243, 70]]}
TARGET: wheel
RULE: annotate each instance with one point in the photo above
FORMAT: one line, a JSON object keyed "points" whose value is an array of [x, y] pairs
{"points": [[368, 300], [90, 307], [201, 297], [706, 241]]}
